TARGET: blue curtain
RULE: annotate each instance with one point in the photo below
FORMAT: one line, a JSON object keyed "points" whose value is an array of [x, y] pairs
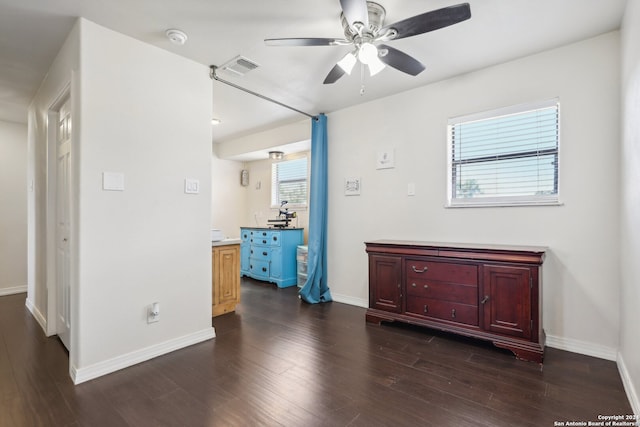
{"points": [[315, 289]]}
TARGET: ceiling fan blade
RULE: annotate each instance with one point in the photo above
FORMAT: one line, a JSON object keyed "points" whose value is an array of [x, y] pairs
{"points": [[306, 42], [401, 61], [430, 21], [333, 76], [355, 11]]}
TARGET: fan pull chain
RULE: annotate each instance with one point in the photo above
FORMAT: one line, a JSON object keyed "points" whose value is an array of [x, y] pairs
{"points": [[361, 79]]}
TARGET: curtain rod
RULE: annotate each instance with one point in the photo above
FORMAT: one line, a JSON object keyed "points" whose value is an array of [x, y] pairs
{"points": [[214, 76]]}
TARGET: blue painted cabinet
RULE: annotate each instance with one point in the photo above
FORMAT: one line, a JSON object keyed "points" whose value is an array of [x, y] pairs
{"points": [[269, 254]]}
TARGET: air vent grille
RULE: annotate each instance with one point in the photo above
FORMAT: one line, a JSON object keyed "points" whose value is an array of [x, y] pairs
{"points": [[239, 66]]}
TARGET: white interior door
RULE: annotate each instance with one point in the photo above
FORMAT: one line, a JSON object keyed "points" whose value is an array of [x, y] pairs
{"points": [[63, 226]]}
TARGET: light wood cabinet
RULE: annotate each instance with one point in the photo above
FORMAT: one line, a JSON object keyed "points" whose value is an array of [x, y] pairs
{"points": [[488, 292], [226, 278]]}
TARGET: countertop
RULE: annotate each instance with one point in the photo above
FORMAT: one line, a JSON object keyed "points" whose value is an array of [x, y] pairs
{"points": [[274, 228], [224, 242]]}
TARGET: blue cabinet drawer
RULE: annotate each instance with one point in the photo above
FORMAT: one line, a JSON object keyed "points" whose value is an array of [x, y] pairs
{"points": [[265, 238], [259, 268], [260, 241], [260, 253]]}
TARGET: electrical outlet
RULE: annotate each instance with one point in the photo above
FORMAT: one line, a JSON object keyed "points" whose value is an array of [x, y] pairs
{"points": [[153, 313]]}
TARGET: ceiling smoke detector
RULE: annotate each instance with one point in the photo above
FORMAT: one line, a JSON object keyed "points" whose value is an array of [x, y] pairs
{"points": [[239, 66], [176, 36]]}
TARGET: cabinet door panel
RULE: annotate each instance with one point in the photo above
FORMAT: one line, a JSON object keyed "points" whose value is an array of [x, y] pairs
{"points": [[245, 254], [229, 281], [385, 275], [507, 310], [276, 263]]}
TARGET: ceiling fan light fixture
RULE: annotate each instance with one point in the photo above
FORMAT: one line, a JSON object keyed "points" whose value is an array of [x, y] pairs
{"points": [[348, 62], [375, 66], [367, 53]]}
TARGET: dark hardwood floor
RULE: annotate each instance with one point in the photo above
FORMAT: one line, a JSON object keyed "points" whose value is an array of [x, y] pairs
{"points": [[278, 361]]}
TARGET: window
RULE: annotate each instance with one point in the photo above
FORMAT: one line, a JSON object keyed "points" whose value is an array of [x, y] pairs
{"points": [[289, 182], [504, 157]]}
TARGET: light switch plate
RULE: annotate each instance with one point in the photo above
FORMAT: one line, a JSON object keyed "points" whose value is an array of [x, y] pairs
{"points": [[191, 186], [112, 181]]}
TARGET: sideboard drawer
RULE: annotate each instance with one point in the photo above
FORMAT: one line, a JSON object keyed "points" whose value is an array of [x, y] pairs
{"points": [[444, 271], [445, 310], [260, 269], [260, 253], [465, 294]]}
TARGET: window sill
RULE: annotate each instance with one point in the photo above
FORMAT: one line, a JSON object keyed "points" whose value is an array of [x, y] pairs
{"points": [[502, 204]]}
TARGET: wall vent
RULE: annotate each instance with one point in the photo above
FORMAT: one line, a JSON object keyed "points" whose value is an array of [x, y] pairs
{"points": [[239, 66]]}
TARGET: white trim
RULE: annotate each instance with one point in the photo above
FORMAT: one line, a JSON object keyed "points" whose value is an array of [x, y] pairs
{"points": [[478, 203], [80, 375], [346, 299], [42, 321], [505, 111], [12, 290], [629, 387], [582, 347]]}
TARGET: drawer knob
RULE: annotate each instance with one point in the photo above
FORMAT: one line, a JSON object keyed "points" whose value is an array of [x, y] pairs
{"points": [[426, 286], [264, 269], [264, 242], [264, 253], [485, 299], [419, 271], [413, 285], [453, 313], [426, 308]]}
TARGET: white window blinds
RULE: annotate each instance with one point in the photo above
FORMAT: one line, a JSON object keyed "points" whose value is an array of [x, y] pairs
{"points": [[505, 157], [289, 182]]}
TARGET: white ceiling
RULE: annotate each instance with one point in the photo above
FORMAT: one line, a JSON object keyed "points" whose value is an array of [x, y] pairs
{"points": [[32, 31]]}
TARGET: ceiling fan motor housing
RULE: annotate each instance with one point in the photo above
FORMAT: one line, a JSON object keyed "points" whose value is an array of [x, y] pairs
{"points": [[376, 22]]}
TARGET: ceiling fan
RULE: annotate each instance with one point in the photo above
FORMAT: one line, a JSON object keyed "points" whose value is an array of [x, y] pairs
{"points": [[363, 24]]}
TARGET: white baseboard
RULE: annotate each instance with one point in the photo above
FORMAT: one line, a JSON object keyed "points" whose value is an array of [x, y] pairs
{"points": [[124, 361], [582, 347], [629, 387], [12, 290], [42, 321], [345, 299]]}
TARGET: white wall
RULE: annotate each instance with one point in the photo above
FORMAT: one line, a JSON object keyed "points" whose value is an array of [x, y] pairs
{"points": [[629, 361], [229, 198], [145, 113], [291, 133], [581, 274], [13, 208]]}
